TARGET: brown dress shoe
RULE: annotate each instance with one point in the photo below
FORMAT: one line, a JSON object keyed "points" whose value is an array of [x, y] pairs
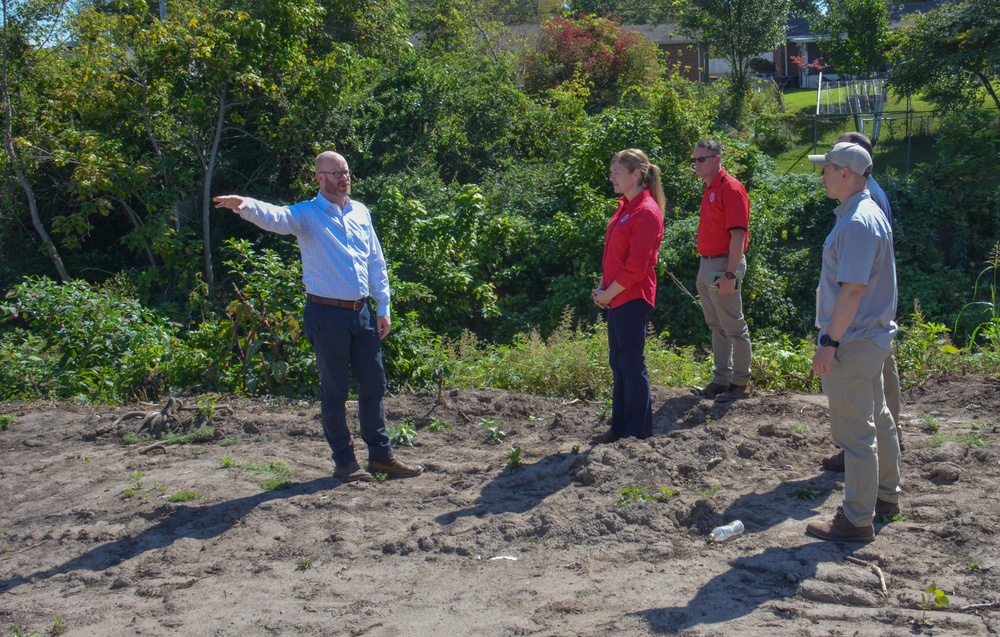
{"points": [[840, 528], [834, 462], [394, 468], [605, 438], [887, 509], [735, 392], [351, 473], [713, 389]]}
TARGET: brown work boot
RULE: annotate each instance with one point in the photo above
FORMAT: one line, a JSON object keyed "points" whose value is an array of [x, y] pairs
{"points": [[713, 389], [735, 392], [351, 473], [886, 509], [834, 462], [394, 468], [605, 438], [840, 528]]}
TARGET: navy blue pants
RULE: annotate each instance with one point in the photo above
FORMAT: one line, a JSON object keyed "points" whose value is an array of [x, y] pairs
{"points": [[347, 340], [631, 407]]}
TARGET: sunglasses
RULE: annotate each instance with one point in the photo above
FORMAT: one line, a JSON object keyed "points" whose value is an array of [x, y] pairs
{"points": [[701, 160]]}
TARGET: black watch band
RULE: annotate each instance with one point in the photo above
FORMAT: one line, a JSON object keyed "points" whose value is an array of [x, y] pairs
{"points": [[826, 341], [730, 276]]}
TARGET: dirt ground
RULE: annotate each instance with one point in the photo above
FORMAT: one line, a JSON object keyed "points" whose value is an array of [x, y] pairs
{"points": [[474, 548]]}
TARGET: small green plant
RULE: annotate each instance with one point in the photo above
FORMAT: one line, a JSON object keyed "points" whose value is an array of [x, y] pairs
{"points": [[576, 449], [193, 437], [58, 627], [7, 421], [276, 484], [972, 567], [632, 494], [931, 424], [709, 491], [82, 458], [403, 434], [185, 496], [665, 494], [207, 404], [227, 463], [380, 477], [535, 418], [493, 431], [514, 461], [436, 424], [133, 438], [229, 441], [801, 428], [136, 478], [303, 564], [972, 440], [17, 631], [277, 467], [804, 492], [932, 597]]}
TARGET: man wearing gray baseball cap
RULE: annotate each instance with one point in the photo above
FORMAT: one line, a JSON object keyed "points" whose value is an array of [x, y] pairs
{"points": [[855, 311]]}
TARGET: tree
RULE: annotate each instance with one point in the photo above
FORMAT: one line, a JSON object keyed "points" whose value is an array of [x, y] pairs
{"points": [[740, 30], [857, 35], [627, 11], [25, 35], [951, 55], [599, 51]]}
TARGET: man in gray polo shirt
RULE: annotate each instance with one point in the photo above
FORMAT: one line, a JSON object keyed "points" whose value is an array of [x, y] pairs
{"points": [[856, 310]]}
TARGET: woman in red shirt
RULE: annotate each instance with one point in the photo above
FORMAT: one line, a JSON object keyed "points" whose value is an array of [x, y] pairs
{"points": [[628, 289]]}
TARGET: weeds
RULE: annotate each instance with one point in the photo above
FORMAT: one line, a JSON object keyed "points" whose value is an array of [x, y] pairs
{"points": [[709, 492], [632, 494], [404, 433], [227, 463], [931, 424], [936, 599], [229, 441], [493, 432], [276, 484], [804, 492], [437, 424], [7, 421], [185, 496], [665, 494], [379, 478], [972, 440], [277, 467], [303, 564]]}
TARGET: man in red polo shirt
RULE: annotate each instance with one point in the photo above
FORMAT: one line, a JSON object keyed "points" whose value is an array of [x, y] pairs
{"points": [[723, 237]]}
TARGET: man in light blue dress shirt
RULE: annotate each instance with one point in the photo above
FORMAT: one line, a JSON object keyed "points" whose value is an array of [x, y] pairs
{"points": [[342, 266]]}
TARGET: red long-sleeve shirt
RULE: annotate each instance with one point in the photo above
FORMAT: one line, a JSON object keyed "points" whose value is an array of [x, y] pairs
{"points": [[632, 249]]}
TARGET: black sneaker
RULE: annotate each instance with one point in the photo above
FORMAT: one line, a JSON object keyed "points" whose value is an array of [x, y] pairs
{"points": [[713, 389]]}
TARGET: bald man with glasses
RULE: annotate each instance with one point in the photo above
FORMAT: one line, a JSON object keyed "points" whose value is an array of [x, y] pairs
{"points": [[723, 238], [343, 270]]}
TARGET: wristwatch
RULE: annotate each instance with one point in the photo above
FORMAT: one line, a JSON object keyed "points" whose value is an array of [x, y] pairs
{"points": [[826, 341], [730, 276]]}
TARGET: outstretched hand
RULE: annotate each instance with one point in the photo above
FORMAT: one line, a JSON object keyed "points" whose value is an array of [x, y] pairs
{"points": [[232, 202]]}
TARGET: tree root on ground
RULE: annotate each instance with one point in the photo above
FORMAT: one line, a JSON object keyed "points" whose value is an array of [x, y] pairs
{"points": [[169, 419]]}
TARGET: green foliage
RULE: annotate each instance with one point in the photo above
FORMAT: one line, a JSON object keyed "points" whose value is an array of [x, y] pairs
{"points": [[83, 342], [436, 424], [276, 467], [188, 495], [804, 492], [493, 432], [276, 484], [634, 493], [972, 440], [7, 421], [514, 461], [856, 35], [989, 309], [193, 437], [594, 50], [403, 434], [949, 55]]}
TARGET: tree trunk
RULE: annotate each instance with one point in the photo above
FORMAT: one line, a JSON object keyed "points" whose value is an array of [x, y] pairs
{"points": [[206, 203], [8, 144]]}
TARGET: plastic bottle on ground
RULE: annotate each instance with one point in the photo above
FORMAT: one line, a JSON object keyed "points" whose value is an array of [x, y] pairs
{"points": [[723, 533]]}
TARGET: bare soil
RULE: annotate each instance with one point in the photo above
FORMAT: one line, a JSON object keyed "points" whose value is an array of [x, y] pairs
{"points": [[474, 548]]}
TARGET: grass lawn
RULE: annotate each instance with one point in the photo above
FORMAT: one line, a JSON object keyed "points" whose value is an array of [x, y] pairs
{"points": [[895, 150]]}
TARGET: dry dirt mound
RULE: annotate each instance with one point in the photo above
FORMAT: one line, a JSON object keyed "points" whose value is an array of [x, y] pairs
{"points": [[474, 548]]}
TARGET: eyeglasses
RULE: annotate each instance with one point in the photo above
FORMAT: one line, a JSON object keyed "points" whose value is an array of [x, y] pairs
{"points": [[337, 174], [701, 160]]}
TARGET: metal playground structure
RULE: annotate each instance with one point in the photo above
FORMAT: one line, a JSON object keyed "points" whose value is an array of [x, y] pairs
{"points": [[864, 99]]}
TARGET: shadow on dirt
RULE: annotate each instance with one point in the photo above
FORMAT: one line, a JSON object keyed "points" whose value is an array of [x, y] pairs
{"points": [[521, 490], [199, 523], [751, 582]]}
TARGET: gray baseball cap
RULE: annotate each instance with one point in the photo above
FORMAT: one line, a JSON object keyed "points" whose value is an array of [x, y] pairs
{"points": [[847, 155]]}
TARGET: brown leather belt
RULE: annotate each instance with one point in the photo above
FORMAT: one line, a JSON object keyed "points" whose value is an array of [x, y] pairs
{"points": [[347, 305], [714, 256]]}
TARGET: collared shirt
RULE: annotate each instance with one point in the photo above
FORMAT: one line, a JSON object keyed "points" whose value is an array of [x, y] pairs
{"points": [[878, 196], [859, 250], [632, 248], [724, 207], [341, 256]]}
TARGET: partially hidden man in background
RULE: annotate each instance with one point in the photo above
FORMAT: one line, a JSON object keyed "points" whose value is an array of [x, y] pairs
{"points": [[628, 290], [342, 266], [723, 238], [856, 311]]}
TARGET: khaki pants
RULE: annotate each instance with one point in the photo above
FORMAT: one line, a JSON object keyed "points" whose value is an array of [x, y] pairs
{"points": [[861, 424], [724, 315]]}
